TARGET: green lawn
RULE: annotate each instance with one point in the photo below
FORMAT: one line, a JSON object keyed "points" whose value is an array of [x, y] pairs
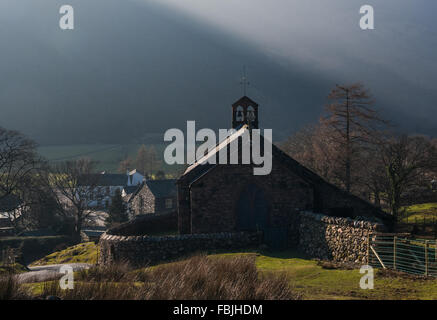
{"points": [[420, 212]]}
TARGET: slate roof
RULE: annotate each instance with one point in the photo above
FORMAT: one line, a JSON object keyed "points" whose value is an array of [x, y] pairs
{"points": [[130, 189], [245, 100], [162, 188], [9, 203], [200, 167]]}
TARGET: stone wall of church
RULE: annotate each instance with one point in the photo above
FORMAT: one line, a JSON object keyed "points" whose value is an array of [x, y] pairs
{"points": [[210, 205], [214, 197], [145, 250], [333, 238]]}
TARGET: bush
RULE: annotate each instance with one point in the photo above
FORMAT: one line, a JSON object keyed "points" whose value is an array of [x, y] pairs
{"points": [[118, 272]]}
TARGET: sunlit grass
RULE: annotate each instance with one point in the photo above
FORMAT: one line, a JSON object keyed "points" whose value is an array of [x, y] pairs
{"points": [[81, 253], [419, 213]]}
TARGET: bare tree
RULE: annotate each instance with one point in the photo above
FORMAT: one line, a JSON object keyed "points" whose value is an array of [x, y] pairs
{"points": [[354, 123], [407, 160], [313, 147], [142, 159], [39, 208], [18, 160], [125, 165], [74, 184], [147, 161]]}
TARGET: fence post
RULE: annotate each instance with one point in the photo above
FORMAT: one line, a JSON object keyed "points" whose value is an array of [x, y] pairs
{"points": [[394, 252], [435, 253], [368, 249], [426, 257]]}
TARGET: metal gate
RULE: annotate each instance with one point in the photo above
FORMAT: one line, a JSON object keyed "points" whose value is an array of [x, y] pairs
{"points": [[415, 256]]}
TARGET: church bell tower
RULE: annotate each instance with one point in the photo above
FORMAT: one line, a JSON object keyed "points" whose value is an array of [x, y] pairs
{"points": [[245, 111]]}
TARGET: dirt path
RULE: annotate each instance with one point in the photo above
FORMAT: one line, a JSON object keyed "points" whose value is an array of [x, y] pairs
{"points": [[48, 272]]}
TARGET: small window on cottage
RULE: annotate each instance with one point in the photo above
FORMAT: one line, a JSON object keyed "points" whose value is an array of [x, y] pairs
{"points": [[168, 203]]}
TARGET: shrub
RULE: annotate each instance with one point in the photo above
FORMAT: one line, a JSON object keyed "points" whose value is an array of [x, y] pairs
{"points": [[201, 277], [117, 272], [10, 289]]}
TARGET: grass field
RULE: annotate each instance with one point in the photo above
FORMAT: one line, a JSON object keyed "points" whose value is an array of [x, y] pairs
{"points": [[14, 268], [81, 253], [420, 212], [307, 277]]}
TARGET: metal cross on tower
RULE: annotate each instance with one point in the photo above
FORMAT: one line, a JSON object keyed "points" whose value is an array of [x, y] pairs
{"points": [[244, 82]]}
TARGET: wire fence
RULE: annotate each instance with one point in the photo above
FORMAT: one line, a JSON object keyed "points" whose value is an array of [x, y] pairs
{"points": [[414, 256]]}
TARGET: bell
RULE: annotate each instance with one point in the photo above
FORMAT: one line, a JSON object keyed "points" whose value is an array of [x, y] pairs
{"points": [[239, 114], [251, 116]]}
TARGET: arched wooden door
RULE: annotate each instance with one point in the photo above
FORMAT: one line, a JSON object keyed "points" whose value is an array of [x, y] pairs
{"points": [[252, 209]]}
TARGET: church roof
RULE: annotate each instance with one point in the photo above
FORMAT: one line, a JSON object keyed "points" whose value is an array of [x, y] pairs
{"points": [[202, 162], [245, 100], [201, 166]]}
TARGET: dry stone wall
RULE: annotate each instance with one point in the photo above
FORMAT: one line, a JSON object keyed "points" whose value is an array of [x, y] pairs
{"points": [[146, 250], [319, 236], [333, 238]]}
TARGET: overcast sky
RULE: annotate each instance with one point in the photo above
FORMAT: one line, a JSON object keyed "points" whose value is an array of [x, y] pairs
{"points": [[141, 66]]}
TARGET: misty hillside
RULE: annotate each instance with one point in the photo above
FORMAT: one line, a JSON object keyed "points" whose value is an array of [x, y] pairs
{"points": [[135, 67]]}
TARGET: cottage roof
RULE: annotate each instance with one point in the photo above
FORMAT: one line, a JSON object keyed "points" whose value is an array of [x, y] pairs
{"points": [[130, 189], [162, 188], [159, 188], [9, 203]]}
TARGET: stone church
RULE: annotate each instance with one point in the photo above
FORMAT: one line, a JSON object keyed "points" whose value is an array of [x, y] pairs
{"points": [[216, 198]]}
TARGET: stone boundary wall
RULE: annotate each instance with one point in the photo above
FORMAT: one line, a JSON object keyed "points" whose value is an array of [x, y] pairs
{"points": [[148, 224], [319, 236], [333, 238], [146, 250]]}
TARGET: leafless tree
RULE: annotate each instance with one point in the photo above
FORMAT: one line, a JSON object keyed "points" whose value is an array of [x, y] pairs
{"points": [[147, 161], [74, 183], [408, 161], [125, 165], [18, 160], [354, 123], [313, 147]]}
